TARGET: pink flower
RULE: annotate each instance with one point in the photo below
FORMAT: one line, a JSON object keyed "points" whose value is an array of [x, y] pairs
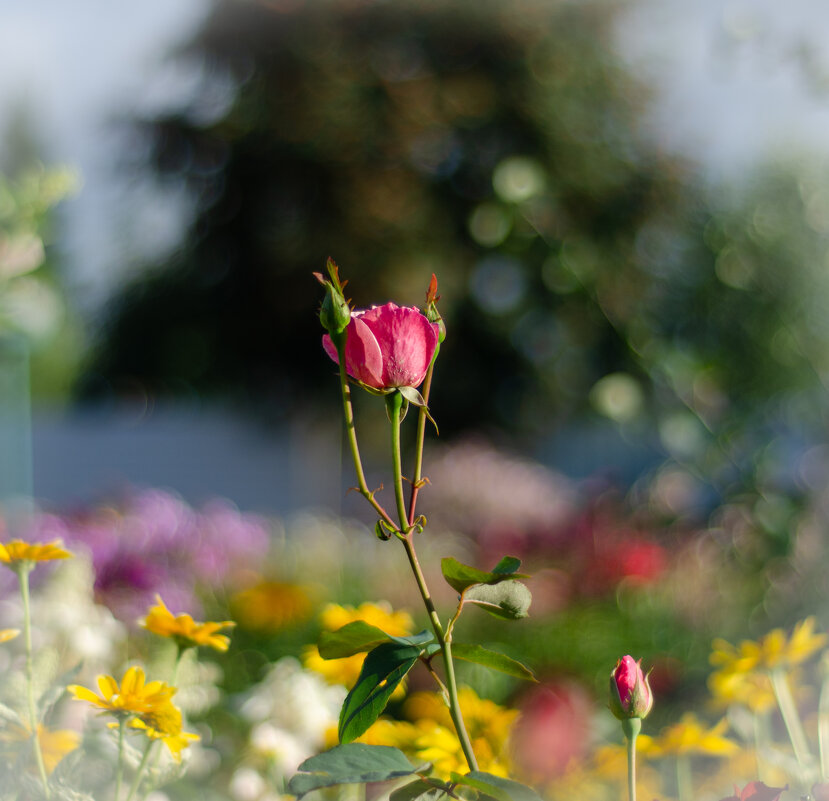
{"points": [[630, 693], [387, 346], [756, 791]]}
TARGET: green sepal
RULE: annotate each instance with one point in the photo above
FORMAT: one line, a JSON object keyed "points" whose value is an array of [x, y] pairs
{"points": [[383, 531], [460, 576], [509, 600], [354, 763], [383, 669], [496, 787], [414, 397], [470, 652]]}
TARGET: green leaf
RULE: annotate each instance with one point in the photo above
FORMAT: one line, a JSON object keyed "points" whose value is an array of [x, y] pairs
{"points": [[421, 638], [460, 576], [354, 763], [418, 788], [469, 652], [496, 787], [383, 669], [352, 638], [507, 566], [509, 600], [359, 636]]}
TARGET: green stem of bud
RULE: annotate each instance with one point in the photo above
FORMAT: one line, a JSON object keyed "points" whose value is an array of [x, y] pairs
{"points": [[631, 727]]}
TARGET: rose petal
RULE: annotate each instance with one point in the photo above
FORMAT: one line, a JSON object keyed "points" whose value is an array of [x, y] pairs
{"points": [[363, 359], [407, 342]]}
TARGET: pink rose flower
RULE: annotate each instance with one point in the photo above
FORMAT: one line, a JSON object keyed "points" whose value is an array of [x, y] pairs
{"points": [[387, 346], [630, 693]]}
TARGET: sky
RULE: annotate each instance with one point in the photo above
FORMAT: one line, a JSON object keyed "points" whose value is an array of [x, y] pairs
{"points": [[733, 82]]}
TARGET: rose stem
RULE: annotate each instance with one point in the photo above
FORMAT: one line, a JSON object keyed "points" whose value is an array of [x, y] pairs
{"points": [[351, 432], [395, 402]]}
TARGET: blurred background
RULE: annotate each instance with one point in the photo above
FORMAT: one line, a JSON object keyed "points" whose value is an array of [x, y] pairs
{"points": [[627, 208]]}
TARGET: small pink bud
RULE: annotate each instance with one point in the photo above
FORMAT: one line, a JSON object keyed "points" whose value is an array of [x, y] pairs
{"points": [[630, 693]]}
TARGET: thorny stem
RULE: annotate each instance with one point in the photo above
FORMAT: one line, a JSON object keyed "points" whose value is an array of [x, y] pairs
{"points": [[351, 432], [23, 577], [421, 436], [404, 533], [394, 404], [444, 641], [446, 650], [788, 711]]}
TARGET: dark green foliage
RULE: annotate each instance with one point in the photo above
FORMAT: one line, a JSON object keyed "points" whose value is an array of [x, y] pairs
{"points": [[383, 669], [469, 652]]}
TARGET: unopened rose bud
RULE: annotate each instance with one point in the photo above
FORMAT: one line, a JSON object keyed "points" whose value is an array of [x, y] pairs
{"points": [[630, 693], [335, 313], [431, 310]]}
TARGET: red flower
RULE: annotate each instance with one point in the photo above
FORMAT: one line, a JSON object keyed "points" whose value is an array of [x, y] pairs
{"points": [[387, 346], [630, 693], [756, 791]]}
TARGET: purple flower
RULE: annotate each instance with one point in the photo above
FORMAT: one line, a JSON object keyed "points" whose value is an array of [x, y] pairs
{"points": [[156, 543]]}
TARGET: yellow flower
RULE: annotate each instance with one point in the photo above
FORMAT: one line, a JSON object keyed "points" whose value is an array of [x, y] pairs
{"points": [[484, 718], [752, 690], [775, 650], [163, 723], [270, 606], [55, 744], [132, 697], [345, 671], [15, 552], [432, 738], [160, 620], [488, 725], [381, 615], [8, 634], [690, 736]]}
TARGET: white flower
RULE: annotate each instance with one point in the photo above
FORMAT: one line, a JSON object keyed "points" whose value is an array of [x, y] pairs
{"points": [[246, 785]]}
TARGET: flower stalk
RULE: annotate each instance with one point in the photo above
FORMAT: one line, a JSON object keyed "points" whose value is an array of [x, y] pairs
{"points": [[791, 718], [405, 534], [366, 346], [631, 728], [139, 773], [417, 475], [23, 570], [351, 434], [119, 770]]}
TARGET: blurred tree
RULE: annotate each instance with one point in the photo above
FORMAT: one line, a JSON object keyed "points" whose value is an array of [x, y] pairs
{"points": [[498, 145], [491, 143]]}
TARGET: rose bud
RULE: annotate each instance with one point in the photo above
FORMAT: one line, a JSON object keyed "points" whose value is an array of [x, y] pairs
{"points": [[335, 313], [630, 693]]}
